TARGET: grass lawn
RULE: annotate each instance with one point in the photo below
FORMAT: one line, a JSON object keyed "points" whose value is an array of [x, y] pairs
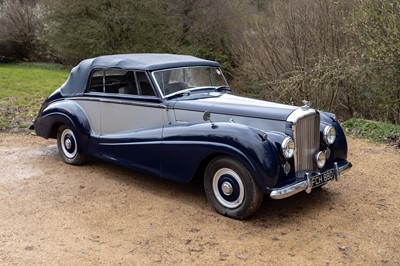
{"points": [[372, 130], [23, 87]]}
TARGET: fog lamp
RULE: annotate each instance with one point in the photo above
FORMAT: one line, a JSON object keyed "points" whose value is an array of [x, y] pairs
{"points": [[286, 168], [320, 159]]}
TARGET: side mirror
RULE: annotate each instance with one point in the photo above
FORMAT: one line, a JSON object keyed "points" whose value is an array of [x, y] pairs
{"points": [[207, 117]]}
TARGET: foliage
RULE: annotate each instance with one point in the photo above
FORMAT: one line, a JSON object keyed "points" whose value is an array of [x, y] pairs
{"points": [[343, 56], [95, 27], [21, 24], [372, 130], [23, 89], [375, 27], [294, 50], [134, 26]]}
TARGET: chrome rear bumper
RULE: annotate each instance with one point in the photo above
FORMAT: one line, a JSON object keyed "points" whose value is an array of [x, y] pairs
{"points": [[305, 185]]}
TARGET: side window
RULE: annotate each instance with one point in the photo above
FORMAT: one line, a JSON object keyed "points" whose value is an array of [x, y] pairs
{"points": [[144, 84], [96, 81], [116, 81], [119, 81]]}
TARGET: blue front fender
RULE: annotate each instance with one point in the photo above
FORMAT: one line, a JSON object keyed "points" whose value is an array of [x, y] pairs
{"points": [[186, 146]]}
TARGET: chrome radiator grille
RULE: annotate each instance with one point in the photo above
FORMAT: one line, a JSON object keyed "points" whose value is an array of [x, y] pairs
{"points": [[306, 139]]}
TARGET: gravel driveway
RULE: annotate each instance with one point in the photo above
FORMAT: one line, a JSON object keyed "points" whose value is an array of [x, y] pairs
{"points": [[52, 213]]}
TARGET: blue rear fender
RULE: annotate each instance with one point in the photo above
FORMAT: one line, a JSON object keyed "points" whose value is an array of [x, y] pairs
{"points": [[68, 113], [187, 148]]}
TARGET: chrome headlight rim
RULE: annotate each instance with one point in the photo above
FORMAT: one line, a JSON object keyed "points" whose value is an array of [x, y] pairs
{"points": [[329, 135], [287, 147], [320, 159]]}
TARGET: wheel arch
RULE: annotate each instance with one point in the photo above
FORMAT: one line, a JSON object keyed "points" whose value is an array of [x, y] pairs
{"points": [[200, 170], [66, 113]]}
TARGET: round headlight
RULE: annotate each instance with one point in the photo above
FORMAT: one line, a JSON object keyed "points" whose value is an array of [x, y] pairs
{"points": [[320, 159], [329, 135], [288, 148]]}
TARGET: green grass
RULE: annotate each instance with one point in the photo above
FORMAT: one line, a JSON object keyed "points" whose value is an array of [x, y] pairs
{"points": [[372, 130], [23, 87]]}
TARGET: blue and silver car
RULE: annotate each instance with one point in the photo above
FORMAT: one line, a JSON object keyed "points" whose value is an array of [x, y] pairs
{"points": [[174, 117]]}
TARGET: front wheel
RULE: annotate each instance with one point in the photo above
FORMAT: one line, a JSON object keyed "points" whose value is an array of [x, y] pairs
{"points": [[68, 146], [230, 188]]}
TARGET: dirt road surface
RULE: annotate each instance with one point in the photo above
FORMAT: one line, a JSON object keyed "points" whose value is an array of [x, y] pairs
{"points": [[100, 214]]}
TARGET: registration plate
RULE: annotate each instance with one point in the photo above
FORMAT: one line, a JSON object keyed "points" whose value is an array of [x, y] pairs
{"points": [[322, 179]]}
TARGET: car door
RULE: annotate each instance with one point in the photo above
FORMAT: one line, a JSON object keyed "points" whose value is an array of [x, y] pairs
{"points": [[131, 120]]}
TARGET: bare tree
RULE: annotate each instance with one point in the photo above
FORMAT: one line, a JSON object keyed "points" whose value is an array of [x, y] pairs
{"points": [[292, 49], [20, 23]]}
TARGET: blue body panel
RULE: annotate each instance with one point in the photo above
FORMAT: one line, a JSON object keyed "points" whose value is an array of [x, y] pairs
{"points": [[137, 150]]}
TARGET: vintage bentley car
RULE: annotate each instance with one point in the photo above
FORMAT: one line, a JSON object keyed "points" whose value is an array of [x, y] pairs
{"points": [[174, 116]]}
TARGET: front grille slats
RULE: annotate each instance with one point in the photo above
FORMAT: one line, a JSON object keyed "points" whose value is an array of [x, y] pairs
{"points": [[307, 139]]}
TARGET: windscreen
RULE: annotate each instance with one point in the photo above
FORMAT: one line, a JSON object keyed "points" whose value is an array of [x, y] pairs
{"points": [[177, 79]]}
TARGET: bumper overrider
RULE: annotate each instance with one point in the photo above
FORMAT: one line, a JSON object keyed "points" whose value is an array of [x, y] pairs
{"points": [[309, 182]]}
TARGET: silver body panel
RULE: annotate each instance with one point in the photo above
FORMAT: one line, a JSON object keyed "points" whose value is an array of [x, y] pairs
{"points": [[184, 116], [263, 115], [115, 116], [91, 107]]}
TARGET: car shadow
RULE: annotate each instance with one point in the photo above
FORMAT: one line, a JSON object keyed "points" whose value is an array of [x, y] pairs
{"points": [[189, 192], [301, 205], [297, 206]]}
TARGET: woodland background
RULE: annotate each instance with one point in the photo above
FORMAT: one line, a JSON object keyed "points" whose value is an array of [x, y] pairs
{"points": [[343, 56]]}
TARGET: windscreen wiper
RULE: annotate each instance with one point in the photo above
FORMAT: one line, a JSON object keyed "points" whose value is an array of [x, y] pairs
{"points": [[178, 94], [223, 88]]}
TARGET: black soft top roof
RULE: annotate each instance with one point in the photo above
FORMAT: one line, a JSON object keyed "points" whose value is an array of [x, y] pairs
{"points": [[77, 81]]}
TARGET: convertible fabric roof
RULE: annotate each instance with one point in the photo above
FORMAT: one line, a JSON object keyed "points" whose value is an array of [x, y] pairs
{"points": [[77, 81]]}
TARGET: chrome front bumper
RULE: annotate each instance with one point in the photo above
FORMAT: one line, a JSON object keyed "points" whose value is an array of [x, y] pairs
{"points": [[306, 185]]}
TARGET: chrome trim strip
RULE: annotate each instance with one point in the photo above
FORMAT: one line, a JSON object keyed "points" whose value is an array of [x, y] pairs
{"points": [[130, 143], [126, 102], [295, 188], [134, 101]]}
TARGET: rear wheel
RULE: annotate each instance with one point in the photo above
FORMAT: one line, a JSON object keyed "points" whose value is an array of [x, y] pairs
{"points": [[68, 146], [230, 188]]}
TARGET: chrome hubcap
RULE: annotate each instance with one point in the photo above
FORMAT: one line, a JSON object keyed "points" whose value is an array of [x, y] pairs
{"points": [[227, 188], [68, 143]]}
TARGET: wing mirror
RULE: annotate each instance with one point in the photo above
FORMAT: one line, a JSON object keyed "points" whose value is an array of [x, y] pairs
{"points": [[207, 117]]}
